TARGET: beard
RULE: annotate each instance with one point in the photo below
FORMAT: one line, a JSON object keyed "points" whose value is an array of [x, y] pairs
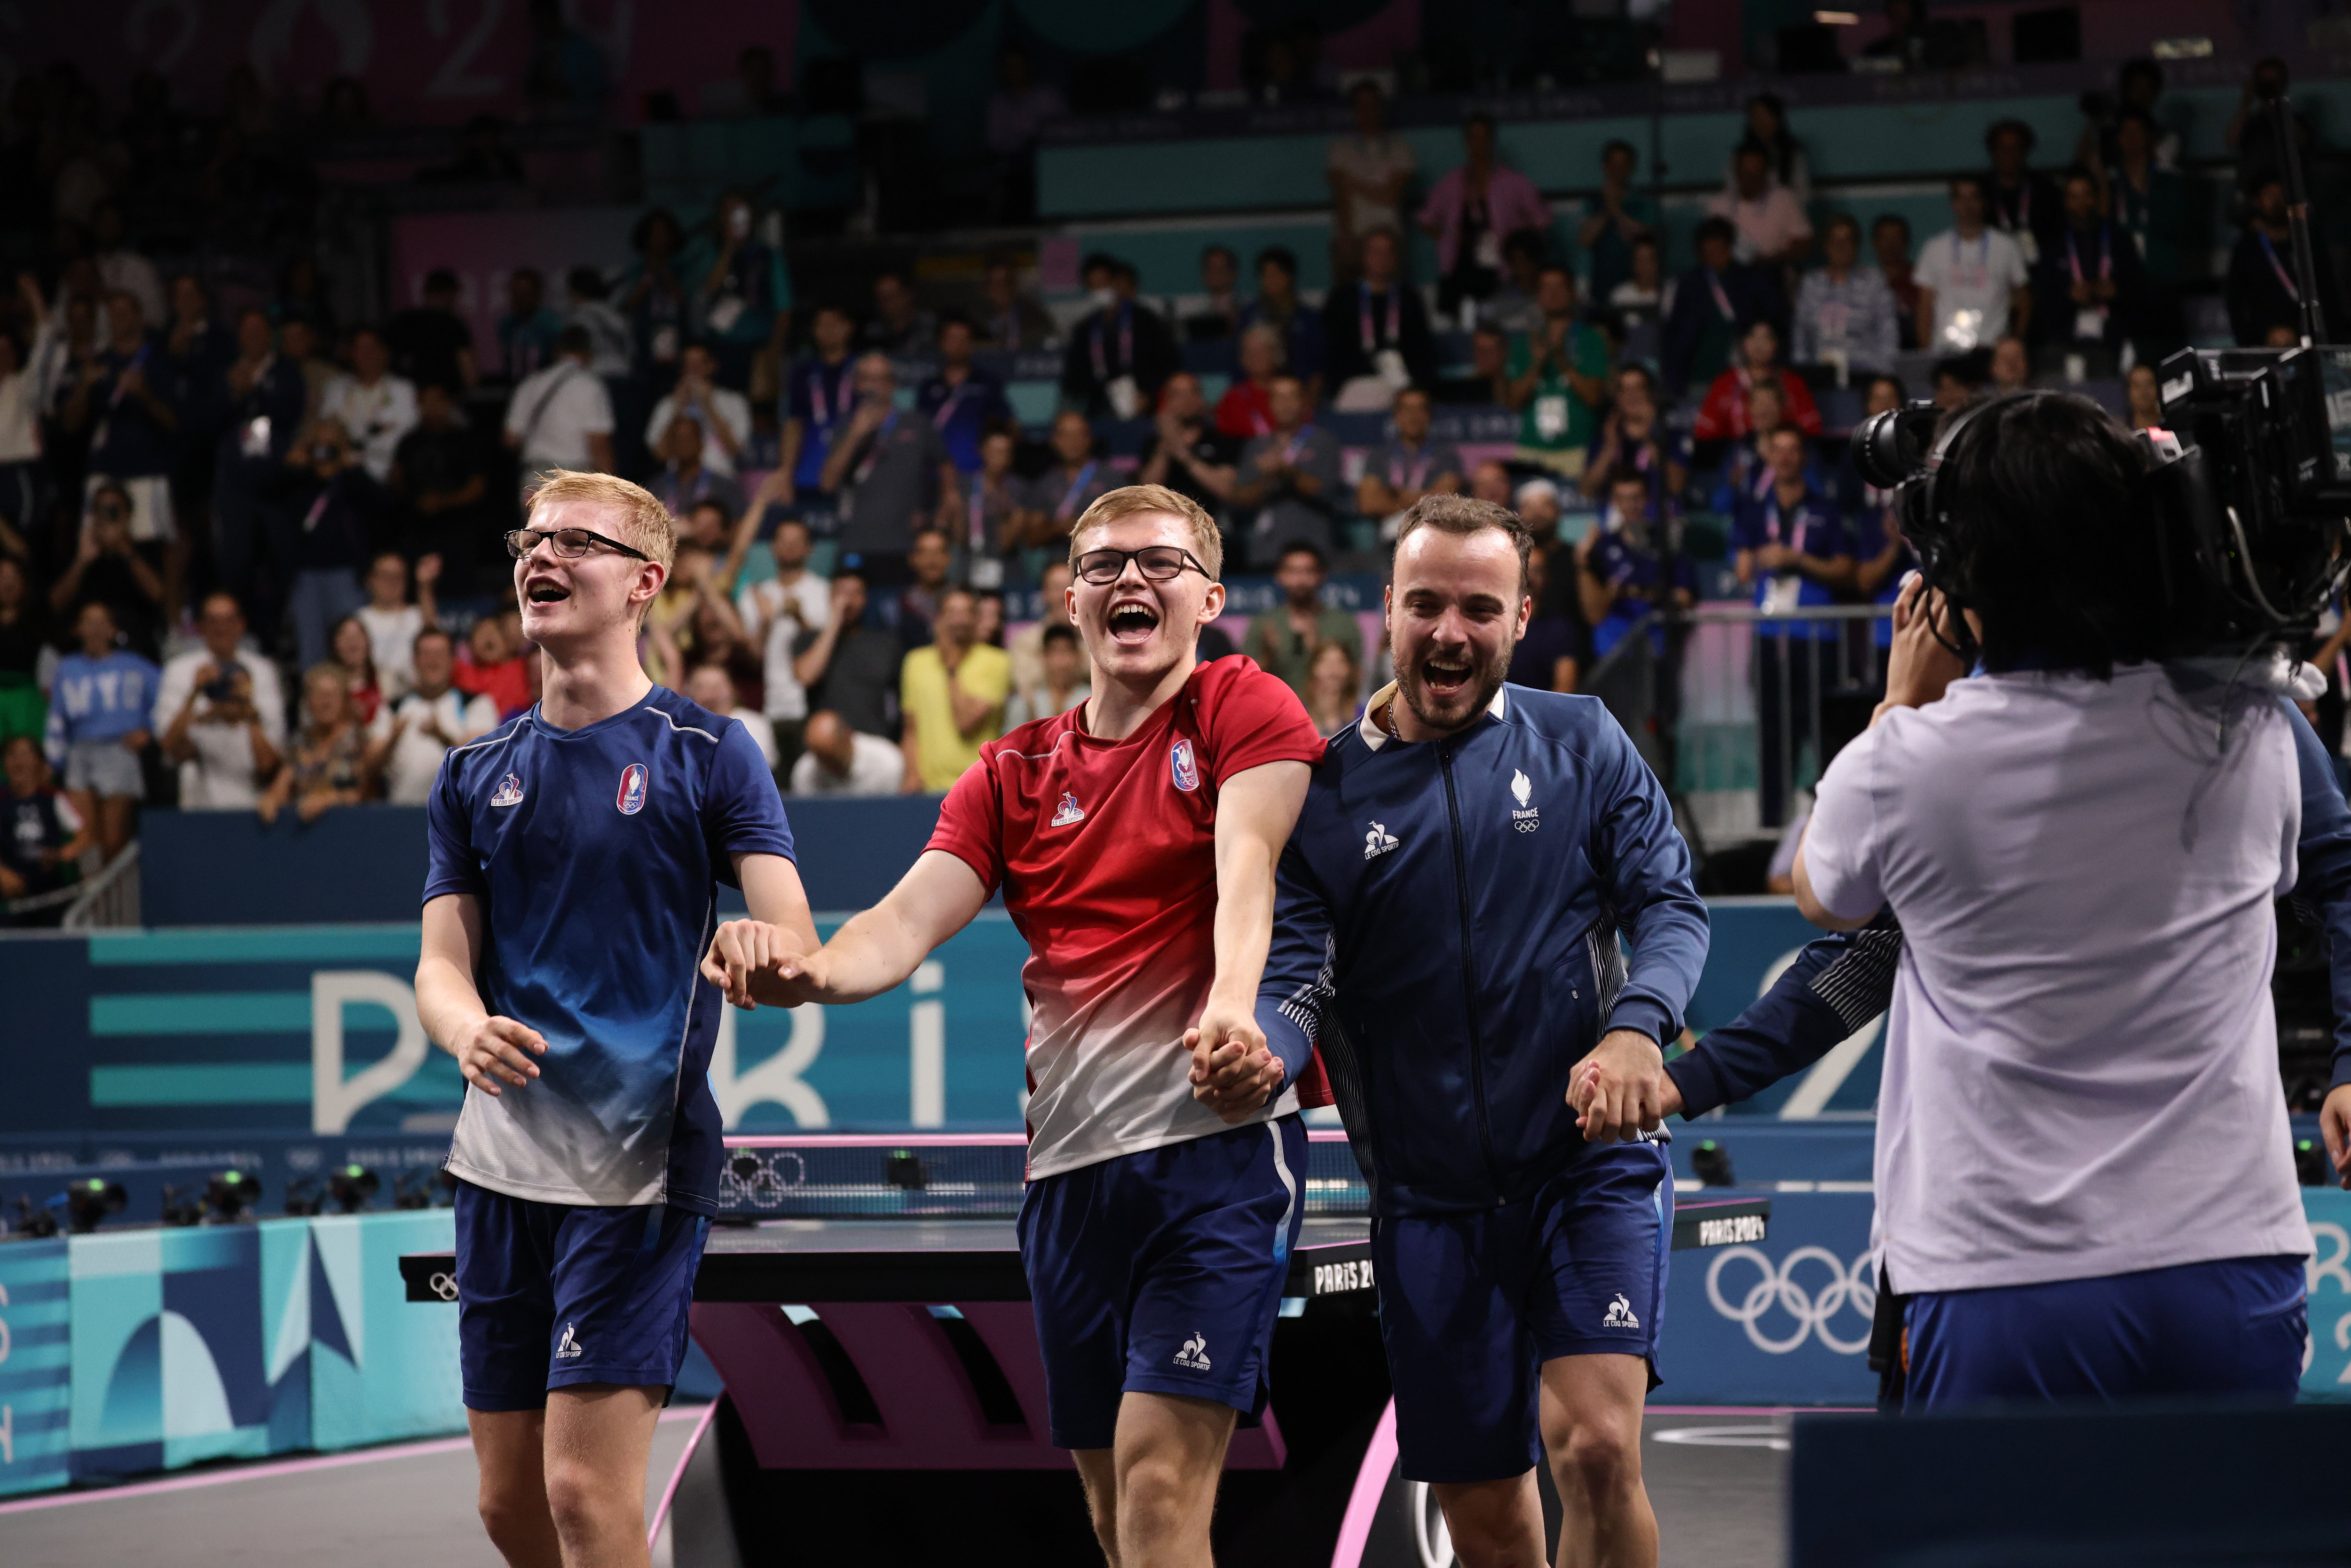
{"points": [[1449, 710]]}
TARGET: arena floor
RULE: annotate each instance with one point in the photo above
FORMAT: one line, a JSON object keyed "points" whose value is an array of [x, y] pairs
{"points": [[1714, 1477]]}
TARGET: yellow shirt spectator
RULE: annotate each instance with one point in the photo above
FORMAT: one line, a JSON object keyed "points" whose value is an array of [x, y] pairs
{"points": [[937, 748]]}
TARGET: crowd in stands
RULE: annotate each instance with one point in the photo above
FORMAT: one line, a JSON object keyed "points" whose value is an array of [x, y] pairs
{"points": [[252, 558]]}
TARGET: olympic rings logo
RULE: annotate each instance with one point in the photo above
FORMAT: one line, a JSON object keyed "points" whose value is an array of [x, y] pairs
{"points": [[1778, 1288], [443, 1285]]}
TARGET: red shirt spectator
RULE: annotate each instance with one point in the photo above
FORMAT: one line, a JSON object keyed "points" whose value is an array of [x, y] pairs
{"points": [[1244, 412], [1724, 411], [493, 668]]}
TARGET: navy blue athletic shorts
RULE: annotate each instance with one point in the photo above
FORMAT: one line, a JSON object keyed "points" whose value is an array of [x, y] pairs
{"points": [[1471, 1305], [1161, 1272], [2234, 1326], [551, 1294]]}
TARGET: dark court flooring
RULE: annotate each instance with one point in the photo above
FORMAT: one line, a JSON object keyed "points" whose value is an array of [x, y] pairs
{"points": [[1714, 1481]]}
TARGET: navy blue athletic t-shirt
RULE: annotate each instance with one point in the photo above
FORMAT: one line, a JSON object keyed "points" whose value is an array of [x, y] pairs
{"points": [[596, 854]]}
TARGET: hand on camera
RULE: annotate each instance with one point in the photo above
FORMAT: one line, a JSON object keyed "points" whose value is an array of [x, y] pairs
{"points": [[1921, 665]]}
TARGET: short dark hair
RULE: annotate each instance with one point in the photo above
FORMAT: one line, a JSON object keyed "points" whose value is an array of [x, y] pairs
{"points": [[574, 340], [418, 640], [1304, 546], [2011, 127], [1466, 515], [1059, 631], [1715, 228], [1843, 221], [1228, 252], [1478, 117], [1974, 181], [1527, 243], [1884, 219], [2042, 493], [1901, 393], [588, 282], [1752, 147], [2145, 69], [1099, 261], [1618, 144], [1280, 255]]}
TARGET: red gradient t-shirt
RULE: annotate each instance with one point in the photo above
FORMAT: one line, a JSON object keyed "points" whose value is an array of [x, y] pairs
{"points": [[1106, 852]]}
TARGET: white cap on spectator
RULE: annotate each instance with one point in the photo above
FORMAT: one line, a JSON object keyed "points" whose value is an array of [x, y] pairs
{"points": [[1538, 490]]}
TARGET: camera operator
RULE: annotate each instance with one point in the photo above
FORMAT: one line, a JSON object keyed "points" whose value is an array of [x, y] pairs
{"points": [[2084, 1175]]}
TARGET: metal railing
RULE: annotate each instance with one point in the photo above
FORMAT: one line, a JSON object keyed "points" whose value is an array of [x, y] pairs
{"points": [[109, 899]]}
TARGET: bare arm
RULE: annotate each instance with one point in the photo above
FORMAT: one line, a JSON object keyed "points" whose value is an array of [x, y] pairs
{"points": [[1256, 809], [779, 922], [489, 1051], [878, 949], [971, 712]]}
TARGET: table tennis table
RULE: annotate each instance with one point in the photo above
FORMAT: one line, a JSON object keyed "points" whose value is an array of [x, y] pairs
{"points": [[863, 1302]]}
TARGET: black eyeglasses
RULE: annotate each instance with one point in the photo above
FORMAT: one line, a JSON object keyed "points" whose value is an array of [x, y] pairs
{"points": [[570, 543], [1159, 563]]}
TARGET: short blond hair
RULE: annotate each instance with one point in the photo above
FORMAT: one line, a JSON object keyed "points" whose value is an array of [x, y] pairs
{"points": [[1131, 500], [645, 523]]}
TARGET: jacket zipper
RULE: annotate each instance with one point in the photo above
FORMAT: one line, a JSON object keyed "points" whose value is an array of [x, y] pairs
{"points": [[1469, 977]]}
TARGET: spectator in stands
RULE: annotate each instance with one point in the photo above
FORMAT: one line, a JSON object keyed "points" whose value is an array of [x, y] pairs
{"points": [[263, 393], [1770, 222], [1282, 640], [1845, 314], [1745, 471], [1767, 124], [1620, 569], [122, 269], [1558, 377], [1614, 222], [101, 716], [1889, 241], [1972, 281], [1634, 439], [1854, 495], [776, 616], [1277, 305], [1491, 481], [953, 694], [198, 346], [1513, 307], [1289, 480], [1185, 452], [2091, 292], [107, 569], [1469, 210], [744, 299], [724, 414], [1646, 294], [961, 400], [685, 481], [24, 477], [2139, 86], [844, 761], [1713, 303], [655, 299], [431, 344], [2020, 204], [1724, 411], [1218, 315], [1487, 384], [2144, 398], [1959, 377], [41, 834], [433, 717], [1334, 686], [1015, 112], [1015, 323], [911, 611], [995, 513], [1539, 507], [1376, 332], [350, 651], [587, 302], [1119, 355], [1556, 645], [561, 417], [1407, 465], [1368, 171], [440, 480], [2263, 302], [2012, 366], [1792, 547], [1028, 645], [2248, 133], [1061, 684], [23, 651], [224, 718], [374, 405], [821, 391], [899, 325], [1247, 408], [333, 761], [297, 339], [393, 624], [891, 475], [494, 666], [1059, 495], [134, 424], [2149, 200], [528, 327], [335, 503], [713, 688]]}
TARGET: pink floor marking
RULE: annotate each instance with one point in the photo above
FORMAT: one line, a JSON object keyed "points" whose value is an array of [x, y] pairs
{"points": [[1371, 1485]]}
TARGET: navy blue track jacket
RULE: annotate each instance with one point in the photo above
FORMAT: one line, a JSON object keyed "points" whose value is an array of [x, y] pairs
{"points": [[1445, 924], [1839, 983]]}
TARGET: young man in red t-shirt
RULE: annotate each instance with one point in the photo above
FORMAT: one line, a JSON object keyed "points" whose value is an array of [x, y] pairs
{"points": [[1135, 838]]}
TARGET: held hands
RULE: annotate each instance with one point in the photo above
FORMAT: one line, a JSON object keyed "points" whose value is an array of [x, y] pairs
{"points": [[1621, 1090], [748, 953], [2335, 1124], [1774, 557], [1233, 1073], [494, 1050]]}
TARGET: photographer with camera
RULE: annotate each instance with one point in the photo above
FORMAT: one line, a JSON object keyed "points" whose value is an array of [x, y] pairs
{"points": [[328, 504], [2084, 1175]]}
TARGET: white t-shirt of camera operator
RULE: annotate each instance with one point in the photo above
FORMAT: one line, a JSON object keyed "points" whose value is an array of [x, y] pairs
{"points": [[1971, 279], [2081, 1072]]}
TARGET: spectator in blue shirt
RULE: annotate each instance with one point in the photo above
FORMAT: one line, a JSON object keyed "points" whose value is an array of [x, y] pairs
{"points": [[1277, 305], [1713, 302], [1622, 568], [962, 402], [1793, 547], [527, 327], [820, 395], [101, 716], [746, 296]]}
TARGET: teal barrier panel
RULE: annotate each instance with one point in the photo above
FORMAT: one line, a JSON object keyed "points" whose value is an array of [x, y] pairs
{"points": [[35, 1373], [2327, 1367]]}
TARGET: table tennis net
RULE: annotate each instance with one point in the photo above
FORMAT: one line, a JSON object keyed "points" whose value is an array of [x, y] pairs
{"points": [[818, 1179]]}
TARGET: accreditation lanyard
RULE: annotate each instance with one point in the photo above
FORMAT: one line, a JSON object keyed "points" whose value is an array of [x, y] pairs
{"points": [[2105, 255], [944, 413], [114, 399], [873, 452], [1289, 454], [1125, 344], [1363, 315], [1771, 522], [979, 514], [1721, 300], [2285, 278], [824, 380], [1070, 497], [1397, 481]]}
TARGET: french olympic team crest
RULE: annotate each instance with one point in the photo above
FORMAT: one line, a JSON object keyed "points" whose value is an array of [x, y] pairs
{"points": [[1185, 766], [631, 798]]}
